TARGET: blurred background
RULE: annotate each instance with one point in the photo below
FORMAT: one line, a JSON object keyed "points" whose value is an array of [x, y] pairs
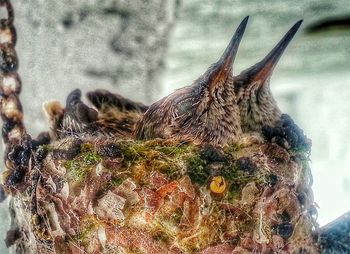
{"points": [[146, 49]]}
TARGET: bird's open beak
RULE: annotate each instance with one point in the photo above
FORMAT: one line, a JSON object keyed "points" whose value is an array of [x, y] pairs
{"points": [[223, 67], [263, 70]]}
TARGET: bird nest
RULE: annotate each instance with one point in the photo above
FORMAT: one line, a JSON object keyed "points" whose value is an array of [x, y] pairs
{"points": [[214, 167], [103, 195]]}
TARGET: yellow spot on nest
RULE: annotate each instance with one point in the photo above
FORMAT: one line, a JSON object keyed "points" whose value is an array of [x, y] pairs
{"points": [[218, 184]]}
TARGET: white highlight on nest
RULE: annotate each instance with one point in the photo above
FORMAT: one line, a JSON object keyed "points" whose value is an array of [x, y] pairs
{"points": [[110, 206]]}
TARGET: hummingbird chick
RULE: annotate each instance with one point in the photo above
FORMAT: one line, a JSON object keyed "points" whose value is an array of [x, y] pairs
{"points": [[78, 117], [117, 115], [104, 101], [257, 106], [53, 112], [204, 112]]}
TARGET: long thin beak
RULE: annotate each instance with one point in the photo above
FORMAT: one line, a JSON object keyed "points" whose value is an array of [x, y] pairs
{"points": [[224, 66], [263, 70]]}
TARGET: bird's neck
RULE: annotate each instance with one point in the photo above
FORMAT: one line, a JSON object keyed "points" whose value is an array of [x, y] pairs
{"points": [[216, 117], [259, 109]]}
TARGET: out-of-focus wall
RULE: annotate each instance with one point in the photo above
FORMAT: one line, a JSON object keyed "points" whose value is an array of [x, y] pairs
{"points": [[117, 45]]}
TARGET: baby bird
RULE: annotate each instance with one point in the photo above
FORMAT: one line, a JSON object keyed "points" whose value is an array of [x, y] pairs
{"points": [[117, 116], [256, 103], [77, 117], [204, 112], [53, 112]]}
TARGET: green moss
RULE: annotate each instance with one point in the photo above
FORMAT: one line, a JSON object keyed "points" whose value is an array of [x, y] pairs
{"points": [[134, 151], [75, 171], [80, 166], [197, 169], [234, 192], [87, 226], [91, 158], [237, 180], [169, 168], [234, 148], [141, 158], [173, 150], [115, 182], [230, 172], [47, 147]]}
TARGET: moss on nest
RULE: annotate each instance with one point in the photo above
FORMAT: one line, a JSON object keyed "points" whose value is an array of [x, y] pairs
{"points": [[197, 169], [79, 167], [88, 225], [135, 151], [162, 191]]}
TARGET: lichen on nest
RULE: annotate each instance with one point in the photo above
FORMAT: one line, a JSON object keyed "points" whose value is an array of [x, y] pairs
{"points": [[107, 195]]}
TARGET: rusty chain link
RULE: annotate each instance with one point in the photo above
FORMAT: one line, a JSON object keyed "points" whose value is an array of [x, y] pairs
{"points": [[13, 131], [10, 83]]}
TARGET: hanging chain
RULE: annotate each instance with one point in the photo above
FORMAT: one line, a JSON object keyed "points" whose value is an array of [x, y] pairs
{"points": [[10, 83], [13, 131]]}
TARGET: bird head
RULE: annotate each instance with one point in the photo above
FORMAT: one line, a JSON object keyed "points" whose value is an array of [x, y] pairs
{"points": [[215, 86], [258, 76], [205, 111], [252, 88], [219, 76]]}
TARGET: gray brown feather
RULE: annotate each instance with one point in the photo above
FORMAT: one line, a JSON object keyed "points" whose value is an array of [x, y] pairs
{"points": [[78, 117], [117, 115]]}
